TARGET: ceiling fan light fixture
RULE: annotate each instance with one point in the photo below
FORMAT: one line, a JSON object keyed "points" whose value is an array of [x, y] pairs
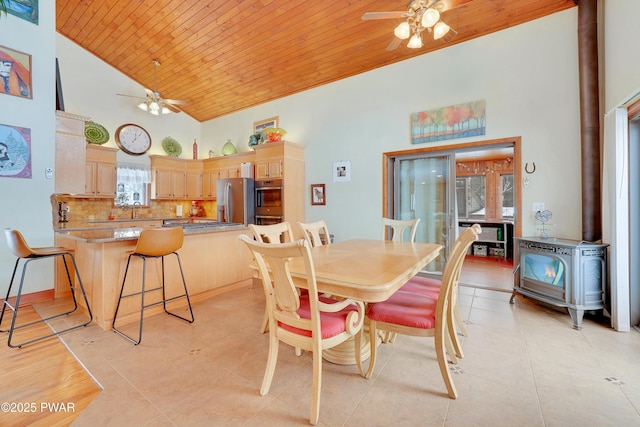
{"points": [[154, 112], [430, 17], [143, 106], [154, 106], [402, 31], [165, 110], [440, 30], [415, 42]]}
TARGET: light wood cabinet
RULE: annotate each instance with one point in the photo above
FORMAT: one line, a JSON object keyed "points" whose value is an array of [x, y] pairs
{"points": [[177, 179], [100, 174], [194, 179], [222, 167], [269, 169], [70, 153]]}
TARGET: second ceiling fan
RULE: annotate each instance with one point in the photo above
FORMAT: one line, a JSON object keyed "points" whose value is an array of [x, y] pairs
{"points": [[420, 15]]}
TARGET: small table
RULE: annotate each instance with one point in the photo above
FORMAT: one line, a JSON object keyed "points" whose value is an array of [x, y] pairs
{"points": [[366, 270]]}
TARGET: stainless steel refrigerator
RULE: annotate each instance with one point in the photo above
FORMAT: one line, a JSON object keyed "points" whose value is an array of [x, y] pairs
{"points": [[236, 200]]}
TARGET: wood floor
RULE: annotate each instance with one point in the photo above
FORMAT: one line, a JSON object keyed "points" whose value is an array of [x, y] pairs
{"points": [[41, 384], [487, 273]]}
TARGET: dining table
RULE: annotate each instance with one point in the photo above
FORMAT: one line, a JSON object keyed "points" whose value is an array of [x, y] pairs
{"points": [[366, 270]]}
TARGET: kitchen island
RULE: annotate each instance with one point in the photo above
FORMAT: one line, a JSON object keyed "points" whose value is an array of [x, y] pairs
{"points": [[213, 259]]}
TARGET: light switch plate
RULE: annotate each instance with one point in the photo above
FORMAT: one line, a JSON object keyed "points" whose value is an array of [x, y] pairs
{"points": [[538, 206], [48, 173]]}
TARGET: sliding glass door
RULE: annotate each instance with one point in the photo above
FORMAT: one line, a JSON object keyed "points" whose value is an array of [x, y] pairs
{"points": [[424, 187]]}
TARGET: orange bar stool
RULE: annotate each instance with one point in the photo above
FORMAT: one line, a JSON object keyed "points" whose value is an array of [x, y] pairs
{"points": [[22, 251], [154, 243]]}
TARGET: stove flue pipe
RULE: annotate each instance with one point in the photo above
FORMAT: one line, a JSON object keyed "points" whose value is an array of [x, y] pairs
{"points": [[589, 120]]}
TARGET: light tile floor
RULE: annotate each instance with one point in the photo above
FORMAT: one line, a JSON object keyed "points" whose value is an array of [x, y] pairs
{"points": [[524, 365]]}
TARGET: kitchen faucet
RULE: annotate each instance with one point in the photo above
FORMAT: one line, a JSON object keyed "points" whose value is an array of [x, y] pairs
{"points": [[134, 213]]}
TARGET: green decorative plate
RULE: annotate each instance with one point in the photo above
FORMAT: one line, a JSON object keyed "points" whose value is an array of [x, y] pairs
{"points": [[95, 133], [171, 147]]}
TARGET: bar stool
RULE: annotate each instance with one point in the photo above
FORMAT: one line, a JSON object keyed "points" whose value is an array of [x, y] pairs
{"points": [[154, 243], [21, 250]]}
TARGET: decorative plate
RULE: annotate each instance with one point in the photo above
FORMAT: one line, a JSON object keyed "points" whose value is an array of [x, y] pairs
{"points": [[171, 147], [95, 133]]}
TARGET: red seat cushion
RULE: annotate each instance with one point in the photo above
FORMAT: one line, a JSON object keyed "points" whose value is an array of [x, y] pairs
{"points": [[331, 324], [423, 286], [407, 309]]}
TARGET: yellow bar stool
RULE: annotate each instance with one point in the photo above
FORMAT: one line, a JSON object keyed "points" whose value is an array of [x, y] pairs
{"points": [[154, 243], [19, 247]]}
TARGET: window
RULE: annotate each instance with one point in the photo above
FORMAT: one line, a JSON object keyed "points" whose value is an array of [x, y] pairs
{"points": [[508, 203], [470, 196], [133, 185]]}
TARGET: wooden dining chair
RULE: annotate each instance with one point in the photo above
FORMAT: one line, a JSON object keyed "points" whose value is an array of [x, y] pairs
{"points": [[271, 233], [431, 287], [414, 314], [316, 233], [397, 229], [307, 321]]}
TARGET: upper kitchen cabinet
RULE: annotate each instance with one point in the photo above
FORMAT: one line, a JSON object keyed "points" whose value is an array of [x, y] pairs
{"points": [[100, 171], [168, 178], [222, 167], [193, 176], [70, 153], [277, 160]]}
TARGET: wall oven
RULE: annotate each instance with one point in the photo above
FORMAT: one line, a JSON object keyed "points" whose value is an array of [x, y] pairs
{"points": [[269, 201]]}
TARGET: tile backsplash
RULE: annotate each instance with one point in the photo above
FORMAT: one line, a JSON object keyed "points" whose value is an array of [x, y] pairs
{"points": [[94, 209]]}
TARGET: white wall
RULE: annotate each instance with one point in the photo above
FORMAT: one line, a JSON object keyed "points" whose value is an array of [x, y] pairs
{"points": [[25, 202], [528, 76], [621, 54]]}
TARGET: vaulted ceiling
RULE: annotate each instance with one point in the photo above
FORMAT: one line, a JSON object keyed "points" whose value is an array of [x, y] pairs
{"points": [[227, 55]]}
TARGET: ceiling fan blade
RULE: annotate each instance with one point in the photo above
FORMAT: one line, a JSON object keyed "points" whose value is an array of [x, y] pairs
{"points": [[444, 5], [174, 101], [172, 107], [383, 15], [130, 96], [394, 44], [150, 93]]}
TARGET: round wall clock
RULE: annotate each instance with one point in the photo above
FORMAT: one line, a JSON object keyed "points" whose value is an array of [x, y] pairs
{"points": [[133, 139]]}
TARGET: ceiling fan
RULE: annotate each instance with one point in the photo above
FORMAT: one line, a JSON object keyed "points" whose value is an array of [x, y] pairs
{"points": [[420, 15], [154, 103]]}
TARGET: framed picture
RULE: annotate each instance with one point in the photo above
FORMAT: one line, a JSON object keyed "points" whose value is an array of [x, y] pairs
{"points": [[341, 171], [15, 70], [15, 152], [318, 196], [271, 122], [24, 9]]}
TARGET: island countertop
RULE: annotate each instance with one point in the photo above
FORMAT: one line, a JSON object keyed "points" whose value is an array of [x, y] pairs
{"points": [[110, 234]]}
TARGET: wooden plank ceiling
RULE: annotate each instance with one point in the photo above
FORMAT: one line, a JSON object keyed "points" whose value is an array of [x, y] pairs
{"points": [[227, 55]]}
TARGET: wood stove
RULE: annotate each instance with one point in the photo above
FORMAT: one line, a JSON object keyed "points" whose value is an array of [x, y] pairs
{"points": [[562, 273]]}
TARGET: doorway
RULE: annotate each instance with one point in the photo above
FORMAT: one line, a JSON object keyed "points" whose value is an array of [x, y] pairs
{"points": [[452, 186]]}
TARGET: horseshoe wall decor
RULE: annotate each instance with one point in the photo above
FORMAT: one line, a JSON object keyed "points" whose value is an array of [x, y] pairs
{"points": [[526, 168]]}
